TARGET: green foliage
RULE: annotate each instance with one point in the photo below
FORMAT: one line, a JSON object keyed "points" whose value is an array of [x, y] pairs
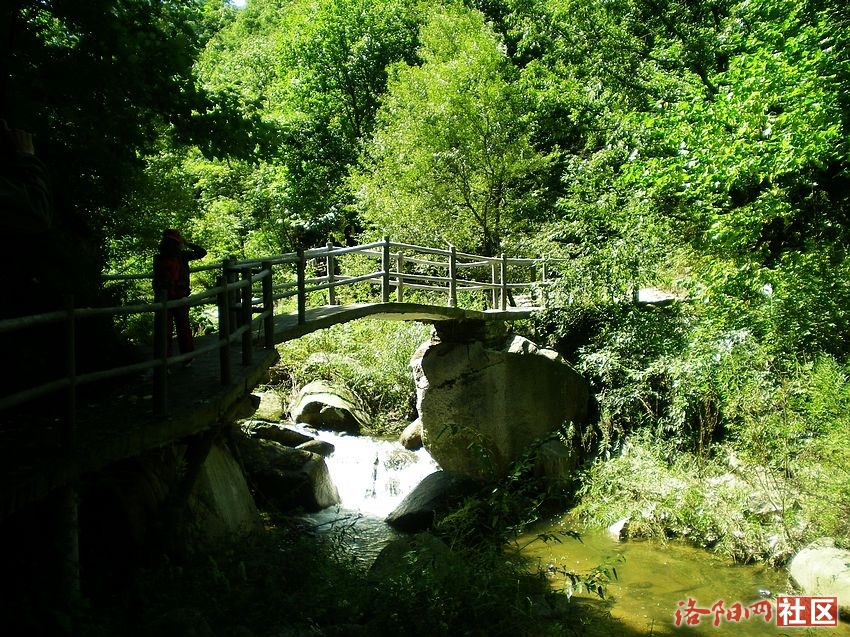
{"points": [[465, 592], [744, 514], [719, 424], [372, 358], [316, 72], [628, 354], [292, 581], [809, 306], [452, 155], [503, 507], [710, 440]]}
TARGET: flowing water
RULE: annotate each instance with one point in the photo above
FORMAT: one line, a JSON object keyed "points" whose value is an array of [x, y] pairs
{"points": [[373, 476]]}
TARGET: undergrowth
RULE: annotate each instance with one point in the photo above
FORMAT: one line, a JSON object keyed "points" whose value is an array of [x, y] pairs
{"points": [[711, 426], [742, 512], [370, 357], [290, 581]]}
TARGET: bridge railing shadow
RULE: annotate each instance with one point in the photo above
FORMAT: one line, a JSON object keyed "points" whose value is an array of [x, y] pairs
{"points": [[253, 292]]}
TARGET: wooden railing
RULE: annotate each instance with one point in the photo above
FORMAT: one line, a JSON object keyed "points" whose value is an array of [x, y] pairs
{"points": [[247, 293]]}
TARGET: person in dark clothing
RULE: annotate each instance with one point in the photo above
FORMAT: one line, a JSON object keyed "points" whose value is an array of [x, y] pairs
{"points": [[171, 276]]}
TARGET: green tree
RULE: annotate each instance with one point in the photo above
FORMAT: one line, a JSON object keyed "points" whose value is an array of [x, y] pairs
{"points": [[452, 159], [316, 71], [102, 85]]}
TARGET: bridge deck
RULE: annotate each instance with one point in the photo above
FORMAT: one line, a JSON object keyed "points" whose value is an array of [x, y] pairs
{"points": [[317, 318], [117, 421]]}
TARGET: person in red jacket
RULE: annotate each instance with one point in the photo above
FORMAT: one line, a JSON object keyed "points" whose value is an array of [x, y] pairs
{"points": [[171, 275]]}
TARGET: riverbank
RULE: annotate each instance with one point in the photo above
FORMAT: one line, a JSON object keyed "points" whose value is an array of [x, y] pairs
{"points": [[653, 577], [743, 512], [292, 581]]}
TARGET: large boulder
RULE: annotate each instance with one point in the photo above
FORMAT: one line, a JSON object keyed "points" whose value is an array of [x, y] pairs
{"points": [[436, 494], [482, 406], [823, 569], [327, 406], [288, 478], [221, 504]]}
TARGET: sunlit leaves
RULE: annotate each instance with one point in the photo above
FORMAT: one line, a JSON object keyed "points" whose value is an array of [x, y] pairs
{"points": [[453, 146], [314, 72]]}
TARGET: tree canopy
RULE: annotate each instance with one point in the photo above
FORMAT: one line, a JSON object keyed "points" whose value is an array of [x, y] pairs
{"points": [[701, 145], [452, 159]]}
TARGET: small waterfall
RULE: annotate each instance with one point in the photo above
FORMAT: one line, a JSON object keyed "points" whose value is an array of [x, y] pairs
{"points": [[374, 475]]}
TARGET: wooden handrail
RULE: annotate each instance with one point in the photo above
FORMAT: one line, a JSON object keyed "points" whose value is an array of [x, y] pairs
{"points": [[402, 268]]}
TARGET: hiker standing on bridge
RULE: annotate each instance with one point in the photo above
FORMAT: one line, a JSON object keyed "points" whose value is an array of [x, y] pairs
{"points": [[171, 275]]}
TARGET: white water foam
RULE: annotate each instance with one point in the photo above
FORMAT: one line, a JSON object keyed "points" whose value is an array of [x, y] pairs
{"points": [[373, 475]]}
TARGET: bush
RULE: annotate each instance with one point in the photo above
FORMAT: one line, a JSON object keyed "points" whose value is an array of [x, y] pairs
{"points": [[706, 392], [370, 357]]}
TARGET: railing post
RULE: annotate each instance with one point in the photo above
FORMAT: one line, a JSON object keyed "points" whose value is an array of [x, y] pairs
{"points": [[65, 503], [330, 265], [268, 304], [385, 267], [225, 367], [399, 276], [224, 330], [247, 316], [230, 277], [302, 287], [544, 290], [160, 349], [493, 291], [452, 276], [503, 276], [69, 432]]}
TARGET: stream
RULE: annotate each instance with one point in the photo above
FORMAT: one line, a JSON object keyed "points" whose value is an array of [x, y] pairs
{"points": [[652, 578], [374, 475]]}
